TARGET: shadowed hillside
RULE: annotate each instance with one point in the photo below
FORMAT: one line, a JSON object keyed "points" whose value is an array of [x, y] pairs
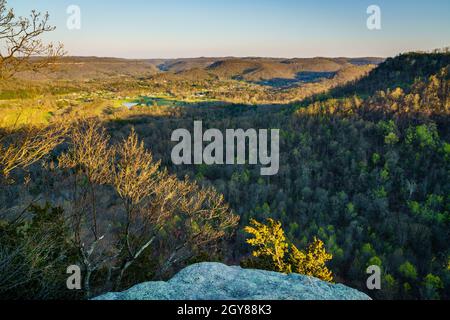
{"points": [[246, 69], [401, 71]]}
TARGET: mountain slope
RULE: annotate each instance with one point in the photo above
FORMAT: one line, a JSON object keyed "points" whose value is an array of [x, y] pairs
{"points": [[274, 72], [401, 71]]}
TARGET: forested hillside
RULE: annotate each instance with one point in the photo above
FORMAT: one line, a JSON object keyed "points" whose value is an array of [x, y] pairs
{"points": [[364, 167], [369, 175], [399, 72]]}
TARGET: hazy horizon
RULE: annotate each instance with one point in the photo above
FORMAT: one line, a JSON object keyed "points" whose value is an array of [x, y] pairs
{"points": [[228, 57], [279, 29]]}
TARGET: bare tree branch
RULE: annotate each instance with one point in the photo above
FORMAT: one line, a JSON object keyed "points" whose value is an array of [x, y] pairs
{"points": [[21, 46]]}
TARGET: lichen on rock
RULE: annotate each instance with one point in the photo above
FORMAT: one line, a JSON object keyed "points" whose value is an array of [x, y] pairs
{"points": [[215, 281]]}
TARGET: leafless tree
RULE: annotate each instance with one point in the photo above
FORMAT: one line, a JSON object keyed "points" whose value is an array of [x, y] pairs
{"points": [[20, 148], [177, 218], [90, 158], [21, 46], [154, 199]]}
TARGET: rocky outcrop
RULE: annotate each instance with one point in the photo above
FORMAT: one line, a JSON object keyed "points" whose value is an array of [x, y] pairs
{"points": [[215, 281]]}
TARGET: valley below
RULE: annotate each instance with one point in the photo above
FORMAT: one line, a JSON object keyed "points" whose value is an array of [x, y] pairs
{"points": [[364, 167]]}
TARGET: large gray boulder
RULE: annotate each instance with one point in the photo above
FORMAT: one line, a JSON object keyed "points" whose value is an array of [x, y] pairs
{"points": [[215, 281]]}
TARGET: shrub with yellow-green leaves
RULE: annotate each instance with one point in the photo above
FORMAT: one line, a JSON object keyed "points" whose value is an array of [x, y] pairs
{"points": [[313, 261], [274, 252], [270, 241]]}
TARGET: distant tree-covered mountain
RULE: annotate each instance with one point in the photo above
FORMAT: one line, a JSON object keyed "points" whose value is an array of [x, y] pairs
{"points": [[401, 71]]}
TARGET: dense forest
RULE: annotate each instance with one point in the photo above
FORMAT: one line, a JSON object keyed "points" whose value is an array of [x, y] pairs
{"points": [[366, 170], [364, 167]]}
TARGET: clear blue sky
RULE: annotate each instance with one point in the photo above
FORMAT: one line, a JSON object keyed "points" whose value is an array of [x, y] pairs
{"points": [[276, 28]]}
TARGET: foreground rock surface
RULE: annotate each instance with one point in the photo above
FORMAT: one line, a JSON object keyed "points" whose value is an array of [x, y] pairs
{"points": [[215, 281]]}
